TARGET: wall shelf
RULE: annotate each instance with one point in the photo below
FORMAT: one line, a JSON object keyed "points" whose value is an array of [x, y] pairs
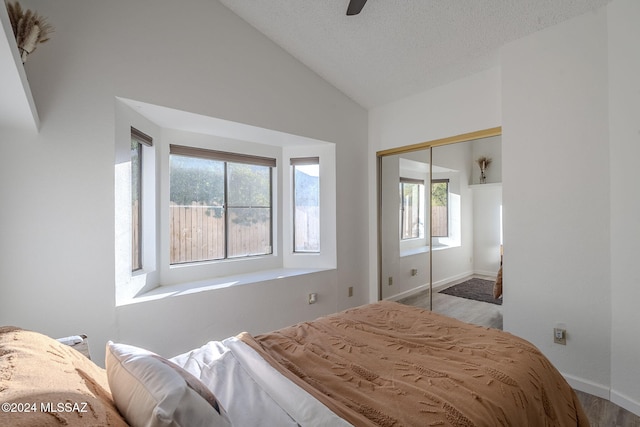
{"points": [[17, 108], [485, 186]]}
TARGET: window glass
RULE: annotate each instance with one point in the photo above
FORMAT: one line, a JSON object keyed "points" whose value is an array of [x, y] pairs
{"points": [[197, 218], [136, 207], [218, 209], [306, 195], [440, 208], [138, 141], [411, 210], [249, 209]]}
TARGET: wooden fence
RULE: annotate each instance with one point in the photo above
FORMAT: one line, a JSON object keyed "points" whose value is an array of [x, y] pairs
{"points": [[439, 221], [307, 229], [197, 234], [135, 237]]}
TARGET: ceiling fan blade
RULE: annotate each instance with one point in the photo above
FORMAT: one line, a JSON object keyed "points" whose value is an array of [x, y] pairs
{"points": [[355, 6]]}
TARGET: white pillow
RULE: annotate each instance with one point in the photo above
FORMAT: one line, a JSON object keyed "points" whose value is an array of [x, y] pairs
{"points": [[151, 391]]}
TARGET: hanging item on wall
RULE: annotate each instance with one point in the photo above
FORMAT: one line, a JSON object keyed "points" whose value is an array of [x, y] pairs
{"points": [[29, 29], [483, 163]]}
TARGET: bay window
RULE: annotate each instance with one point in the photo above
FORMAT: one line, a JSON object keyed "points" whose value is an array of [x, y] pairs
{"points": [[198, 211]]}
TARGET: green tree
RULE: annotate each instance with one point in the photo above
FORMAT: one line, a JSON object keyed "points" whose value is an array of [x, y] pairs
{"points": [[439, 194], [249, 194], [201, 182], [197, 181]]}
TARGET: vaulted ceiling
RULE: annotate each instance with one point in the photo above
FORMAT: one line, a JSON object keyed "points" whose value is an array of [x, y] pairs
{"points": [[393, 49]]}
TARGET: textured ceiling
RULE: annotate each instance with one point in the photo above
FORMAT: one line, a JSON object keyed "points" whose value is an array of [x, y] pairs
{"points": [[395, 48]]}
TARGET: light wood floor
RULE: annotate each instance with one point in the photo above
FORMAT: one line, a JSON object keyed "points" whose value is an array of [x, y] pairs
{"points": [[476, 312], [601, 412]]}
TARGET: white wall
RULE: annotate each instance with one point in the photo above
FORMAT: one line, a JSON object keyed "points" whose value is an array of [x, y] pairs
{"points": [[57, 273], [573, 91], [624, 152], [487, 204], [556, 195]]}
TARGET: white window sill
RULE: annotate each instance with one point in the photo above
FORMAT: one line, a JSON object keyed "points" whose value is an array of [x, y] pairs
{"points": [[425, 249], [169, 291]]}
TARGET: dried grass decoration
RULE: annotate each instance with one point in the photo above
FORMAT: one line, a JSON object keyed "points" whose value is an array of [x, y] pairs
{"points": [[483, 163], [29, 28]]}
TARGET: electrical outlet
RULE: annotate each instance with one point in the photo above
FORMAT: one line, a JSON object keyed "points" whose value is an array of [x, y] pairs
{"points": [[560, 336], [313, 298], [390, 280], [414, 271], [350, 291]]}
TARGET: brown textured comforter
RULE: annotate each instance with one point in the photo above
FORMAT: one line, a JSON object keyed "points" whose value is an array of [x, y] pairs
{"points": [[387, 364]]}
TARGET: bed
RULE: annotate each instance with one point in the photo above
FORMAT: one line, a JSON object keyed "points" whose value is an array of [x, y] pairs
{"points": [[383, 364], [497, 285]]}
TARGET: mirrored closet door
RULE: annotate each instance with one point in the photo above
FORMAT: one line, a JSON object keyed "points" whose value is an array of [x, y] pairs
{"points": [[405, 225], [439, 214]]}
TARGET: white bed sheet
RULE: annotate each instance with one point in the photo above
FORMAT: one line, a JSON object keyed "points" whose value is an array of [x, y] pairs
{"points": [[251, 390]]}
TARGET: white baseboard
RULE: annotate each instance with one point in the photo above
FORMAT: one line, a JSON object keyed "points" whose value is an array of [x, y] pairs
{"points": [[408, 293], [437, 286], [444, 283], [604, 392], [625, 402], [587, 386], [487, 273]]}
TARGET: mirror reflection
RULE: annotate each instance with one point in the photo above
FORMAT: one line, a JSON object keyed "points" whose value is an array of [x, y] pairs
{"points": [[453, 194]]}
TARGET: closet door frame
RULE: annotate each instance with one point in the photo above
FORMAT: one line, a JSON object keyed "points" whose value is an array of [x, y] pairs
{"points": [[480, 134]]}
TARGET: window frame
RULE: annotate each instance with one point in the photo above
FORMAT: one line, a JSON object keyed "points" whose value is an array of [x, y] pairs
{"points": [[227, 206], [141, 140], [435, 182], [303, 161], [421, 208], [226, 158]]}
